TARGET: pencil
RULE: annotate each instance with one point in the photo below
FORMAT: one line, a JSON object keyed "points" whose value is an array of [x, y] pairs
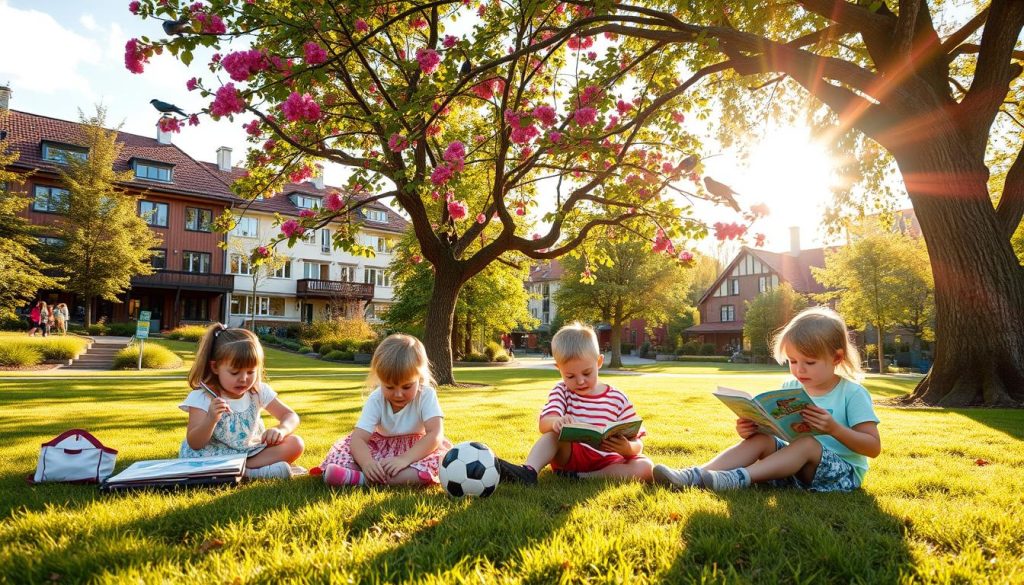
{"points": [[212, 393]]}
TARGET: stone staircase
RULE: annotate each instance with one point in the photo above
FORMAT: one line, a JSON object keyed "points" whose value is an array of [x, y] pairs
{"points": [[101, 355]]}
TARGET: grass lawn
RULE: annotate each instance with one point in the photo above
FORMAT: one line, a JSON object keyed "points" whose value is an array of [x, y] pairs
{"points": [[928, 512]]}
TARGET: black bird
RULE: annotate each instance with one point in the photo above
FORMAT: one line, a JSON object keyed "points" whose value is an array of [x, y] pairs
{"points": [[177, 27], [166, 108], [466, 68]]}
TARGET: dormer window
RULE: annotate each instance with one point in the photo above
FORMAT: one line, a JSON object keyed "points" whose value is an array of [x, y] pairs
{"points": [[61, 153], [375, 215], [306, 201], [152, 171]]}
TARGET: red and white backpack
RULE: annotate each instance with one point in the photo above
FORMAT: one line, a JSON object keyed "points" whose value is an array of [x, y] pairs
{"points": [[75, 456]]}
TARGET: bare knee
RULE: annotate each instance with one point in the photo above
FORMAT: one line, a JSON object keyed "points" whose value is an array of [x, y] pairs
{"points": [[808, 445], [643, 469], [294, 446], [764, 443]]}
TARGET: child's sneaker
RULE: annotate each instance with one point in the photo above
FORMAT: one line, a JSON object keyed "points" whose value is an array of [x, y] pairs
{"points": [[337, 475], [279, 470], [725, 480], [298, 470], [512, 473], [679, 478]]}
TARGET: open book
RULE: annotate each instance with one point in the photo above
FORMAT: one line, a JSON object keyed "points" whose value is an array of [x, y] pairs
{"points": [[171, 473], [594, 434], [776, 412]]}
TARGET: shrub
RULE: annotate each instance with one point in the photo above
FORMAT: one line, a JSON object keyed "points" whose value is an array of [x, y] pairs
{"points": [[336, 329], [191, 333], [340, 356], [126, 329], [305, 349], [20, 355], [292, 345], [645, 349], [627, 348], [475, 357], [367, 346], [707, 349], [491, 350], [12, 322], [703, 358], [97, 329], [154, 357], [501, 357], [690, 348], [60, 348]]}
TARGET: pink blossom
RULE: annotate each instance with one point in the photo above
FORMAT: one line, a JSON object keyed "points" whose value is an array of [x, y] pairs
{"points": [[428, 59], [441, 175], [555, 137], [191, 84], [662, 243], [300, 107], [590, 94], [169, 124], [397, 143], [623, 107], [486, 89], [455, 154], [292, 228], [457, 209], [361, 26], [579, 43], [729, 231], [133, 6], [592, 55], [449, 41], [418, 23], [301, 174], [135, 56], [307, 213], [228, 101], [481, 218], [759, 240], [210, 23], [678, 117], [193, 120], [667, 168], [522, 135], [241, 65], [416, 259], [263, 251], [759, 210], [546, 115], [585, 116], [520, 210], [315, 54], [269, 145], [334, 202], [685, 256], [252, 128]]}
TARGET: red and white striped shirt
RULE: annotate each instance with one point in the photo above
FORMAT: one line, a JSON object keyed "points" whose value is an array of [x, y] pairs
{"points": [[596, 409]]}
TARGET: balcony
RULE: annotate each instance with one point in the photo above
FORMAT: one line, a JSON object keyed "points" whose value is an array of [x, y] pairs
{"points": [[222, 283], [327, 289]]}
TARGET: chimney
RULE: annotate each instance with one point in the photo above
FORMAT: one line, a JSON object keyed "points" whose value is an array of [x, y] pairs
{"points": [[794, 240], [162, 136], [224, 159], [5, 97], [318, 176]]}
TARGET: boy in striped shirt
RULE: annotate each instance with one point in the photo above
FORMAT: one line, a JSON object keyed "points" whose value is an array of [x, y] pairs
{"points": [[581, 397]]}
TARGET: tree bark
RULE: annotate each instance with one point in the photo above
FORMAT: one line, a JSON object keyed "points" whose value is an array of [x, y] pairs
{"points": [[469, 335], [88, 311], [979, 284], [437, 336], [881, 348]]}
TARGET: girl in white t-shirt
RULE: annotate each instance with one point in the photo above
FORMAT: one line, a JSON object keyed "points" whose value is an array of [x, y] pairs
{"points": [[399, 438], [224, 409]]}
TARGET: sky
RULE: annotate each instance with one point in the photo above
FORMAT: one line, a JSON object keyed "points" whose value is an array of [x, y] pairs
{"points": [[60, 56]]}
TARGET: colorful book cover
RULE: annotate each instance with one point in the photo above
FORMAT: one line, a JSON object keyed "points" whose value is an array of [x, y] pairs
{"points": [[593, 435], [776, 412]]}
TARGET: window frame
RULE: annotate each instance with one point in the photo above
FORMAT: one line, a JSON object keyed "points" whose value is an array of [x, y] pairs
{"points": [[154, 256], [285, 271], [137, 163], [50, 208], [236, 231], [242, 261], [209, 261], [375, 215], [156, 204], [298, 199], [64, 148], [727, 313], [199, 228]]}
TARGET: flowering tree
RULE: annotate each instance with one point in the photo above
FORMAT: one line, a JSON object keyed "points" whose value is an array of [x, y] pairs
{"points": [[475, 119]]}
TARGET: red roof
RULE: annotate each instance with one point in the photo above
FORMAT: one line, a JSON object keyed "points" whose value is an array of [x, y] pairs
{"points": [[27, 132], [546, 271], [796, 270]]}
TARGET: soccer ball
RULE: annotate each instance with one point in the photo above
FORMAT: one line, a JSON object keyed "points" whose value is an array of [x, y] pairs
{"points": [[469, 469]]}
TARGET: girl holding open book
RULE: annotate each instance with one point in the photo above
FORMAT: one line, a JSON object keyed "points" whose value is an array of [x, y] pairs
{"points": [[824, 362], [225, 404]]}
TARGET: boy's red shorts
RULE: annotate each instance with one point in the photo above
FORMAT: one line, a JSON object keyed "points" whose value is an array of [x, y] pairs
{"points": [[583, 459]]}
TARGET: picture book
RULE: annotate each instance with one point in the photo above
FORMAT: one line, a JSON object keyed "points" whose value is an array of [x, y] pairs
{"points": [[594, 434], [170, 473], [776, 412]]}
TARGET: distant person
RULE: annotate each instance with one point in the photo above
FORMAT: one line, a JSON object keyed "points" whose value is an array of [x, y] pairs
{"points": [[33, 317], [824, 362], [60, 315]]}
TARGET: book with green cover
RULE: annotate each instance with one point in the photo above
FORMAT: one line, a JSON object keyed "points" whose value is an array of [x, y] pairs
{"points": [[776, 412], [593, 435]]}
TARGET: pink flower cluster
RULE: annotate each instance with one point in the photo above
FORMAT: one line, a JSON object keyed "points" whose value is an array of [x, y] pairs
{"points": [[300, 108], [133, 6], [241, 65], [210, 23], [580, 43], [135, 55], [759, 240], [418, 23], [729, 231], [191, 84], [759, 210], [193, 120], [546, 115], [685, 256], [585, 116], [397, 143], [590, 94], [292, 228], [486, 89], [623, 107], [662, 243], [361, 26], [458, 210], [441, 175], [429, 60], [307, 213], [334, 202], [315, 54], [450, 41], [263, 252], [455, 155], [227, 101], [169, 124], [252, 128], [299, 175]]}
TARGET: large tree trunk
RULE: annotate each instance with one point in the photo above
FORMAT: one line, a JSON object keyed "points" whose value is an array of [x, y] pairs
{"points": [[979, 284], [469, 335], [88, 311], [881, 348], [438, 335], [616, 361]]}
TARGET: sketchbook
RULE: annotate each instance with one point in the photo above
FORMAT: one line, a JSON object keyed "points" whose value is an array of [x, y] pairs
{"points": [[175, 473]]}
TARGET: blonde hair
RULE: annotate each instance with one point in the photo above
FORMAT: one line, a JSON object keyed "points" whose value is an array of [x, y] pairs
{"points": [[575, 341], [397, 359], [238, 347], [820, 332]]}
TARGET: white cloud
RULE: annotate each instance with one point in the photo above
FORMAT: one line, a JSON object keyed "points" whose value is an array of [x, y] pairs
{"points": [[41, 55], [89, 22]]}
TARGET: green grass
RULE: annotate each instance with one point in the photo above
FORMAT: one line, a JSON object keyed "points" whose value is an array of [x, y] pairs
{"points": [[928, 513]]}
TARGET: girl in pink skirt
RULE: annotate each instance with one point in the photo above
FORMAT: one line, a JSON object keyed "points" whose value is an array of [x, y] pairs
{"points": [[399, 438]]}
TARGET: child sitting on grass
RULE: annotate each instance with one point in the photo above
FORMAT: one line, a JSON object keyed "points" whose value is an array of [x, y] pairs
{"points": [[817, 345], [581, 397]]}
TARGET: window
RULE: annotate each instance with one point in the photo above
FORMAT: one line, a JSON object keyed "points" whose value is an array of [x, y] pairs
{"points": [[376, 215], [152, 171], [198, 220], [158, 258], [60, 153], [735, 283], [239, 305], [762, 284], [240, 265], [247, 227], [49, 199], [348, 273], [370, 312], [195, 261], [315, 270], [265, 306], [377, 276], [384, 245], [306, 201], [309, 237], [325, 240], [154, 213], [728, 313], [195, 309], [51, 241], [284, 271]]}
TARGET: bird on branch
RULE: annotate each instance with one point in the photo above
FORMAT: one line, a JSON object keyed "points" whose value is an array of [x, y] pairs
{"points": [[723, 193], [166, 108], [177, 27], [688, 164]]}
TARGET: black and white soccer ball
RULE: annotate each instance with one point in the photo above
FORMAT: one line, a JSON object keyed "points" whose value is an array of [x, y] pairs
{"points": [[469, 469]]}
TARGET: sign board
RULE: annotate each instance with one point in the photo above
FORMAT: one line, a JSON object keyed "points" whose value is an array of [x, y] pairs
{"points": [[142, 328]]}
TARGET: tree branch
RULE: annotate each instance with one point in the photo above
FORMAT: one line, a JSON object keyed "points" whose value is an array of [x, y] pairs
{"points": [[994, 70], [906, 26], [1011, 203], [961, 35]]}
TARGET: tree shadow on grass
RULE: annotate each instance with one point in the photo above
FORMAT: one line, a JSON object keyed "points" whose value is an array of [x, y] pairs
{"points": [[791, 536]]}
